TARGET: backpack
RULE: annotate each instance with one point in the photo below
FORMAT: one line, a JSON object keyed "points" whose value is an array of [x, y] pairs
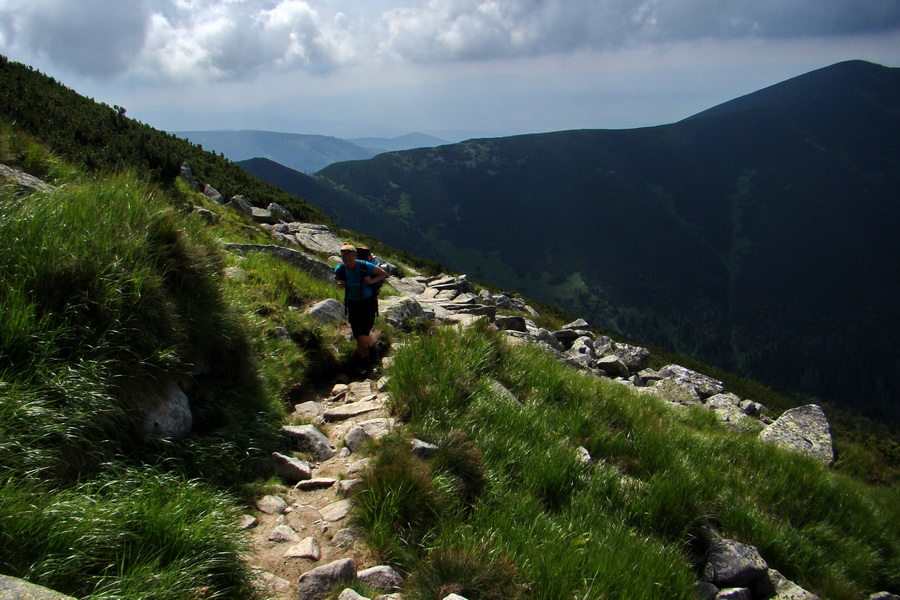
{"points": [[364, 253]]}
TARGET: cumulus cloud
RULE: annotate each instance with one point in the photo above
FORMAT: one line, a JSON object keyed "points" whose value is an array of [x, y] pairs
{"points": [[442, 30], [234, 39], [238, 39], [94, 37]]}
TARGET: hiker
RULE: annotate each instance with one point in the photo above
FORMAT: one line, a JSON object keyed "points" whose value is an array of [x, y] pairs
{"points": [[357, 277]]}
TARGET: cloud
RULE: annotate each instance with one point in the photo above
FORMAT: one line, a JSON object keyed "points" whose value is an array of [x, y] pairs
{"points": [[443, 30], [203, 40], [92, 37]]}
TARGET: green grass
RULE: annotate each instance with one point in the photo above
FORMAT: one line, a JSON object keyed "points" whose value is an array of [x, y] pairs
{"points": [[627, 525]]}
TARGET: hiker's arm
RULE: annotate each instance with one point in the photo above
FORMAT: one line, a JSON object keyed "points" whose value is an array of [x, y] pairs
{"points": [[377, 275]]}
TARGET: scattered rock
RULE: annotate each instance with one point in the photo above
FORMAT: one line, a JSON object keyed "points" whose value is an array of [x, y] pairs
{"points": [[271, 505], [315, 584], [382, 577], [289, 468], [336, 510], [306, 438], [284, 533], [732, 564], [307, 548], [804, 430]]}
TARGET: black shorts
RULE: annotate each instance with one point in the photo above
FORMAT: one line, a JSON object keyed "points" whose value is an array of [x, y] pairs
{"points": [[362, 315]]}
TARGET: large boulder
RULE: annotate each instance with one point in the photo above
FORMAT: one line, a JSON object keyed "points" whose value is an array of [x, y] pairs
{"points": [[316, 584], [328, 311], [399, 309], [805, 430], [167, 414], [12, 588], [730, 564], [706, 386]]}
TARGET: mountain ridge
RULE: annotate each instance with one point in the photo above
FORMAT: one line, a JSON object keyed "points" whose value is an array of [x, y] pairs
{"points": [[695, 225]]}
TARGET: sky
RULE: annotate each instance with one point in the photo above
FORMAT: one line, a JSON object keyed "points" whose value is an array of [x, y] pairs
{"points": [[455, 69]]}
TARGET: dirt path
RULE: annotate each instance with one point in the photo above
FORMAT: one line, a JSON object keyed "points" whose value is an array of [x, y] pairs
{"points": [[314, 528]]}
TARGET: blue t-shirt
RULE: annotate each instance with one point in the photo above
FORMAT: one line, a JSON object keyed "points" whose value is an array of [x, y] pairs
{"points": [[356, 290]]}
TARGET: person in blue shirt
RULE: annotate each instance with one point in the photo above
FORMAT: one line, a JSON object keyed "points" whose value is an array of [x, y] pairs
{"points": [[356, 278]]}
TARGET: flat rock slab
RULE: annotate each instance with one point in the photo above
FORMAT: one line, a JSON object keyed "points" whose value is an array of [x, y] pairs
{"points": [[318, 483], [336, 510], [307, 548], [348, 411], [12, 588]]}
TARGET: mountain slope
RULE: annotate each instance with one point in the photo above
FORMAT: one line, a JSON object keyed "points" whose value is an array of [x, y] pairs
{"points": [[758, 235], [305, 153]]}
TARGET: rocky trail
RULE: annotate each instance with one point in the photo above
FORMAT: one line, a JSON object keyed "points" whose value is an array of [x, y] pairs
{"points": [[306, 524]]}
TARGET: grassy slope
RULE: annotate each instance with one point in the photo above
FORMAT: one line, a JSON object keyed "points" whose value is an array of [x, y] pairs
{"points": [[100, 304]]}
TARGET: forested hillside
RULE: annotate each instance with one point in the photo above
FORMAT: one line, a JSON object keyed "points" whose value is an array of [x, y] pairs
{"points": [[101, 137], [757, 235]]}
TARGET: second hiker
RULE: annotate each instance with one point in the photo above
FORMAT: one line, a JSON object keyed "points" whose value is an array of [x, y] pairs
{"points": [[357, 277]]}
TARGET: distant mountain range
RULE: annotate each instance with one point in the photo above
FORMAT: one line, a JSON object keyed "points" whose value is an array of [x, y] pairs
{"points": [[759, 235], [304, 153]]}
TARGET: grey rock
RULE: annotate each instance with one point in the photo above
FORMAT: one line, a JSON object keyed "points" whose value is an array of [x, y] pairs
{"points": [[382, 578], [237, 274], [309, 410], [247, 522], [706, 386], [423, 449], [727, 407], [328, 311], [261, 215], [804, 430], [634, 357], [359, 466], [350, 594], [290, 468], [316, 483], [284, 533], [213, 194], [344, 538], [734, 594], [510, 323], [209, 216], [397, 310], [883, 596], [347, 411], [348, 487], [306, 548], [336, 510], [306, 438], [186, 175], [12, 588], [271, 505], [315, 584], [674, 391], [584, 457], [279, 213], [577, 324], [167, 414], [314, 237], [732, 564], [613, 366], [240, 204], [582, 346], [367, 430], [776, 586], [706, 590]]}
